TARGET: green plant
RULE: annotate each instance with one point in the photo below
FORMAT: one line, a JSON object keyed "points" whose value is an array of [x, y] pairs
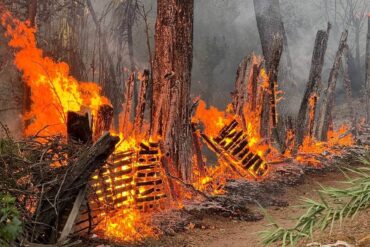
{"points": [[10, 225], [335, 204]]}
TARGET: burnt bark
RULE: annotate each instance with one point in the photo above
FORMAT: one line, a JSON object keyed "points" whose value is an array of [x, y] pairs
{"points": [[272, 66], [26, 99], [348, 86], [328, 99], [140, 108], [269, 23], [307, 110], [172, 66], [127, 110], [103, 120]]}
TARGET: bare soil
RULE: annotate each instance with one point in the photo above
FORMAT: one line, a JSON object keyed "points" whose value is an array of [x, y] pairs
{"points": [[227, 232]]}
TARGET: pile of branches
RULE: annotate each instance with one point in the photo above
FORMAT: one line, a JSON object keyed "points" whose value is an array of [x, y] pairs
{"points": [[44, 174]]}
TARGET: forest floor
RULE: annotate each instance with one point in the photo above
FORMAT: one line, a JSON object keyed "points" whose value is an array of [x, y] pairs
{"points": [[224, 232]]}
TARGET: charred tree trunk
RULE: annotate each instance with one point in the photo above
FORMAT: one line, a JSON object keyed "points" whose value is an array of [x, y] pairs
{"points": [[269, 23], [32, 12], [127, 111], [348, 86], [130, 44], [367, 78], [328, 100], [271, 31], [172, 66], [26, 102], [140, 108], [307, 110], [103, 120], [272, 66]]}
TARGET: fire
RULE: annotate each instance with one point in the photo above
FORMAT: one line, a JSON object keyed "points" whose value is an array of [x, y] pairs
{"points": [[212, 118], [54, 91], [336, 140]]}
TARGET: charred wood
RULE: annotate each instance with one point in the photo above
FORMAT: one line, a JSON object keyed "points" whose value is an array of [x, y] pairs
{"points": [[307, 110], [140, 108], [348, 87], [55, 200], [103, 120], [328, 99], [127, 111], [79, 127]]}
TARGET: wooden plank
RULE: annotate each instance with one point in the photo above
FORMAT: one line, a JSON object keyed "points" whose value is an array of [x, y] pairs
{"points": [[72, 215]]}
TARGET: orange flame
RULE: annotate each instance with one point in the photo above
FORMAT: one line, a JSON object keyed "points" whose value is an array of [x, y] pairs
{"points": [[54, 91]]}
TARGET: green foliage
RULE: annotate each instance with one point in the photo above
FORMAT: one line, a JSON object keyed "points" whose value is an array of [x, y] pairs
{"points": [[10, 224], [335, 204]]}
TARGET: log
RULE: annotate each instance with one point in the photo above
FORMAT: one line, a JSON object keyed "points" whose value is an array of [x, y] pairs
{"points": [[51, 207], [328, 99], [140, 108], [127, 111], [306, 114], [79, 127], [367, 83], [103, 120]]}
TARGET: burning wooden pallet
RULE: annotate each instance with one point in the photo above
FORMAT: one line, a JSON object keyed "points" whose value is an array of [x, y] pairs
{"points": [[131, 178], [231, 146]]}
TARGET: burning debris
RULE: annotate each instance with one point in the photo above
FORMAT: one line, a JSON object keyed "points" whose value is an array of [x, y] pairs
{"points": [[115, 189]]}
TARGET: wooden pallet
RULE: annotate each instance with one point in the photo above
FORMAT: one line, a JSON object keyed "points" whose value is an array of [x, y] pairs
{"points": [[231, 146]]}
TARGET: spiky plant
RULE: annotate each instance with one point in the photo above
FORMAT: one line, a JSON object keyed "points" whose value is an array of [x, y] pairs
{"points": [[334, 205]]}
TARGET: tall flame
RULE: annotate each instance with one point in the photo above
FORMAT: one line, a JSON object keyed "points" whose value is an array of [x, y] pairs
{"points": [[54, 91]]}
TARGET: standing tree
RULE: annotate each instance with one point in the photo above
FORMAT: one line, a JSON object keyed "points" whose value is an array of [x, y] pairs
{"points": [[171, 81], [271, 31]]}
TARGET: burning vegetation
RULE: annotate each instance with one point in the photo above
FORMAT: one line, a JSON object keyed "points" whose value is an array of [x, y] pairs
{"points": [[77, 173]]}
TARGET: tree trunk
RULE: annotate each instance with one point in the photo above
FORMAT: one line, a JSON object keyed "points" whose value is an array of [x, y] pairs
{"points": [[130, 44], [110, 86], [271, 31], [103, 120], [269, 23], [328, 99], [127, 110], [172, 68], [140, 108], [307, 110], [367, 82], [348, 87], [26, 102]]}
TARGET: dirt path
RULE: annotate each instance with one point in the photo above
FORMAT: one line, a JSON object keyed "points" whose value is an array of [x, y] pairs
{"points": [[231, 233]]}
